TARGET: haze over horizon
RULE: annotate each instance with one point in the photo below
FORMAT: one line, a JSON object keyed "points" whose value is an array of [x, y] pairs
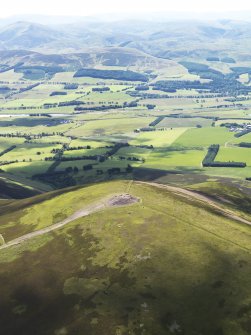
{"points": [[97, 7]]}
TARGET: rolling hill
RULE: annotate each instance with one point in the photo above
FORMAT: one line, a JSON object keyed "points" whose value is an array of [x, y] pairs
{"points": [[161, 38], [27, 35], [123, 257], [150, 120], [124, 43], [120, 57]]}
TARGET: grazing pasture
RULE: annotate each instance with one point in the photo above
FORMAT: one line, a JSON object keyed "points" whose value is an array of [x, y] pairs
{"points": [[62, 123], [158, 138]]}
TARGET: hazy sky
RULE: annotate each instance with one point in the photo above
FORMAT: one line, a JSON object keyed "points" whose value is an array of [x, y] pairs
{"points": [[92, 7]]}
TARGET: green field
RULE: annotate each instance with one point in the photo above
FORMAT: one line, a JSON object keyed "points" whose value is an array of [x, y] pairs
{"points": [[125, 204], [184, 122], [179, 141], [204, 137], [26, 169], [158, 138], [109, 127], [166, 159], [30, 151], [234, 154]]}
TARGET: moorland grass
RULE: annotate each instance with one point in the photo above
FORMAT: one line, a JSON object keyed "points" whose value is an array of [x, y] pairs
{"points": [[162, 263]]}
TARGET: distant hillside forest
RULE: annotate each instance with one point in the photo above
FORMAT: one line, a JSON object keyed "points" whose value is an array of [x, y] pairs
{"points": [[111, 74]]}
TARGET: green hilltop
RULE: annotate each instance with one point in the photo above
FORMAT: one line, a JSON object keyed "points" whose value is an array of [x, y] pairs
{"points": [[170, 263]]}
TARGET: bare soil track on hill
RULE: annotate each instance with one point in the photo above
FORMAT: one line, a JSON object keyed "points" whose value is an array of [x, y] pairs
{"points": [[124, 200], [114, 201], [201, 198]]}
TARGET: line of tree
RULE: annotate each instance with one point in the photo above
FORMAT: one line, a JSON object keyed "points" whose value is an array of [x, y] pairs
{"points": [[211, 155], [40, 114], [5, 68], [245, 145], [7, 150], [57, 93], [209, 160], [78, 148], [157, 121], [116, 148], [29, 137], [58, 154], [88, 167], [101, 89], [242, 133], [133, 159], [58, 179], [23, 89], [8, 162], [229, 164], [75, 158]]}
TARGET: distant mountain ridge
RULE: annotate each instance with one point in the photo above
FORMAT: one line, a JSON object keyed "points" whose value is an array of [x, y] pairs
{"points": [[139, 34], [123, 43], [123, 57]]}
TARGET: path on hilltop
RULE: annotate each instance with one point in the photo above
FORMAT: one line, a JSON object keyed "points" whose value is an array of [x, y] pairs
{"points": [[114, 201], [124, 200], [202, 198]]}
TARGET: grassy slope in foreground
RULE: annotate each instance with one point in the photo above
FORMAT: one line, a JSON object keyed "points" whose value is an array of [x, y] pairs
{"points": [[167, 265], [12, 189]]}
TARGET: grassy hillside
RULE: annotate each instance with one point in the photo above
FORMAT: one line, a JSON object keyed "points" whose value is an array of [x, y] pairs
{"points": [[166, 265], [100, 56], [15, 190], [211, 40]]}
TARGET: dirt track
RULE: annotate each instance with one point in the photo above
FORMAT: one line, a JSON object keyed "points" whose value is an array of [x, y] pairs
{"points": [[194, 195], [114, 201], [123, 200]]}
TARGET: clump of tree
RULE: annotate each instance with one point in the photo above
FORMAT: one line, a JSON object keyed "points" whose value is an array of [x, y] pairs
{"points": [[58, 179], [228, 60], [101, 89], [57, 93], [113, 171], [150, 106], [213, 59], [147, 129], [142, 88], [129, 169], [229, 124], [71, 86], [130, 104], [71, 169], [88, 167], [38, 72], [4, 89], [112, 74]]}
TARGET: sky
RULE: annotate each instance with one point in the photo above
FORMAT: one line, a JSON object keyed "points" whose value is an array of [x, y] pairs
{"points": [[97, 7]]}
